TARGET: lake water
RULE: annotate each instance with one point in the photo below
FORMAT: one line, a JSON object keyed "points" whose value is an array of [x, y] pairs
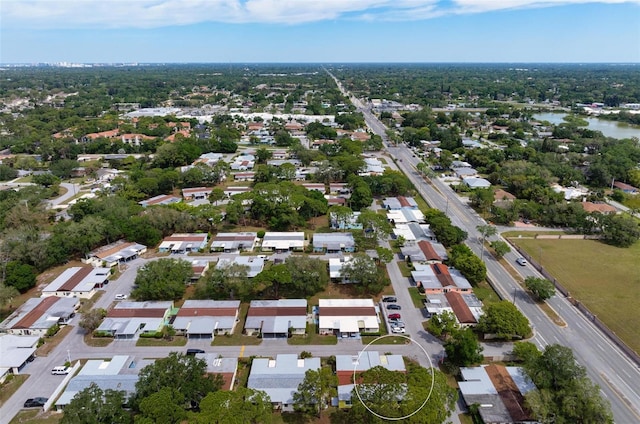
{"points": [[608, 128]]}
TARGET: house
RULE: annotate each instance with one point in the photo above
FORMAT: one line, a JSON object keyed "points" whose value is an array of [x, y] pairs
{"points": [[234, 242], [163, 199], [350, 223], [276, 318], [498, 391], [119, 373], [203, 319], [114, 254], [335, 268], [283, 241], [372, 166], [335, 201], [254, 264], [78, 282], [127, 319], [15, 353], [232, 191], [350, 366], [199, 267], [437, 278], [412, 232], [400, 202], [227, 368], [626, 188], [196, 193], [465, 172], [603, 208], [279, 378], [473, 182], [347, 317], [423, 252], [501, 195], [183, 243], [38, 314], [244, 176], [462, 311], [467, 315], [333, 242], [405, 215], [339, 189], [317, 187]]}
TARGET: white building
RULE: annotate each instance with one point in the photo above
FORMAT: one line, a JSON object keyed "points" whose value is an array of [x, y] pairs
{"points": [[78, 281], [347, 317]]}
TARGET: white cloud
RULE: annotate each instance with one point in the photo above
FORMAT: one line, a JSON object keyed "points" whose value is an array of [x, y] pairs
{"points": [[87, 14]]}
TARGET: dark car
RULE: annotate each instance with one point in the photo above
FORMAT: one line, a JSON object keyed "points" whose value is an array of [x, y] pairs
{"points": [[394, 316], [192, 352], [394, 306], [389, 299], [35, 402]]}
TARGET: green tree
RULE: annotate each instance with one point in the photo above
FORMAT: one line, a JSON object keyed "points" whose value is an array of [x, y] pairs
{"points": [[229, 281], [384, 255], [541, 288], [442, 325], [361, 269], [262, 155], [7, 173], [621, 231], [46, 180], [187, 375], [165, 406], [315, 392], [272, 279], [239, 406], [216, 195], [526, 352], [342, 215], [504, 320], [308, 275], [485, 231], [463, 349], [95, 406], [500, 248], [91, 319], [164, 279], [7, 294], [19, 275], [374, 224], [465, 261]]}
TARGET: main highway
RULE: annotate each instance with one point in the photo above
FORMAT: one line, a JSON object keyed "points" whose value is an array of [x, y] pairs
{"points": [[617, 376]]}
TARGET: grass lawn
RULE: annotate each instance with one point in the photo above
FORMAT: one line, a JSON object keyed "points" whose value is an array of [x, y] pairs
{"points": [[236, 339], [405, 269], [604, 278], [52, 342], [176, 341], [9, 387], [393, 340], [486, 294], [312, 338], [89, 340], [417, 297], [30, 416], [516, 234]]}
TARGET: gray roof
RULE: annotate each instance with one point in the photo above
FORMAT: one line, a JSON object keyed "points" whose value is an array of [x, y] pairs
{"points": [[280, 378], [14, 350], [368, 360], [391, 203], [217, 364], [211, 304], [278, 303], [271, 324], [62, 308], [333, 241], [105, 382], [126, 253], [203, 324], [254, 264], [95, 276]]}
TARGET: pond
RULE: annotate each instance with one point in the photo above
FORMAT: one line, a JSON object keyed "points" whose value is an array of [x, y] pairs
{"points": [[608, 128]]}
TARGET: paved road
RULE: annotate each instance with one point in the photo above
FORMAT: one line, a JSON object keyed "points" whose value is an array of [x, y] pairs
{"points": [[72, 190], [607, 366]]}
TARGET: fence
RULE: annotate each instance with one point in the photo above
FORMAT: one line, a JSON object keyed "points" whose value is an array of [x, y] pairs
{"points": [[583, 309], [61, 386]]}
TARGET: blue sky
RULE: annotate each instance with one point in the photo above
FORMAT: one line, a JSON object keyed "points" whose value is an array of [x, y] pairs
{"points": [[223, 31]]}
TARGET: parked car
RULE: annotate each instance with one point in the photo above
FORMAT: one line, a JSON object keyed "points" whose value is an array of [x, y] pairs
{"points": [[394, 316], [192, 352], [121, 296], [389, 299], [397, 330], [396, 323], [521, 261], [60, 371], [394, 306], [35, 402]]}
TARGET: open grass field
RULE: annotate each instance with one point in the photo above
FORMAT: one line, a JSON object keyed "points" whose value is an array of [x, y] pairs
{"points": [[28, 416], [9, 387], [604, 278]]}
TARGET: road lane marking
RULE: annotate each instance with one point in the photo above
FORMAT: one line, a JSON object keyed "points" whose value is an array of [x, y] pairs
{"points": [[620, 395], [241, 351]]}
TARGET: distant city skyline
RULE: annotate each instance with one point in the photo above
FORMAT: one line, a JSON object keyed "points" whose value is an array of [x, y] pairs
{"points": [[293, 31]]}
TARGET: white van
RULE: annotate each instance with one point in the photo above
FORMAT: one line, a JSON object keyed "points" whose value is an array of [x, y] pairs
{"points": [[60, 371]]}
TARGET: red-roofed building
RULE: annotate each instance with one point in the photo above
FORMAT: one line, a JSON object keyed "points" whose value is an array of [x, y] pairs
{"points": [[460, 309]]}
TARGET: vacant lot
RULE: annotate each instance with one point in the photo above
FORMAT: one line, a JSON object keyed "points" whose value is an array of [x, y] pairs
{"points": [[605, 278]]}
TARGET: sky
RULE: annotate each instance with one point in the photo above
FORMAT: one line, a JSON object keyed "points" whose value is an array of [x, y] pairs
{"points": [[327, 31]]}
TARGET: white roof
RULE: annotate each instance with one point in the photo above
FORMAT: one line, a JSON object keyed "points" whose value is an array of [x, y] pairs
{"points": [[255, 264], [345, 303], [95, 276], [14, 350], [283, 240], [476, 182]]}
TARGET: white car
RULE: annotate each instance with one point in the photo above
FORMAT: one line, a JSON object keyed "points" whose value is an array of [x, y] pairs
{"points": [[121, 297], [397, 330], [60, 371], [521, 261]]}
